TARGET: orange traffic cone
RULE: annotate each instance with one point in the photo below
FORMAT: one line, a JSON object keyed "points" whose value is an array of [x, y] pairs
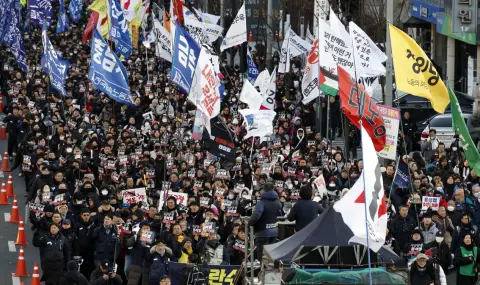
{"points": [[3, 195], [10, 186], [3, 132], [1, 103], [21, 240], [14, 217], [5, 163], [35, 275], [21, 270], [250, 37]]}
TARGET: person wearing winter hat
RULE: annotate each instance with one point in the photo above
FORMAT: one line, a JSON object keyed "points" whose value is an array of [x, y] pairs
{"points": [[187, 250], [429, 229], [440, 251], [73, 276], [415, 246], [423, 271]]}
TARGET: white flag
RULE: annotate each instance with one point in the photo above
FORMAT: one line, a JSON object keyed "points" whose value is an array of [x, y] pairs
{"points": [[163, 47], [352, 205], [310, 80], [204, 92], [262, 81], [368, 57], [250, 96], [270, 91], [293, 45], [129, 13], [259, 122], [345, 54], [202, 32], [237, 34]]}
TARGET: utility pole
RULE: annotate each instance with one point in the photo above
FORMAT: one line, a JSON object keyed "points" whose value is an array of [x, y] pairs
{"points": [[388, 100], [269, 35]]}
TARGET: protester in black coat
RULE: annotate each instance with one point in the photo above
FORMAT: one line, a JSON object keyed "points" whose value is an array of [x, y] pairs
{"points": [[105, 240], [305, 210], [84, 243], [402, 227], [440, 251], [73, 276], [55, 254]]}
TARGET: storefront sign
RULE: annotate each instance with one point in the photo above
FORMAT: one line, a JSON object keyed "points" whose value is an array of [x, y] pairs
{"points": [[425, 11], [445, 27], [464, 16]]}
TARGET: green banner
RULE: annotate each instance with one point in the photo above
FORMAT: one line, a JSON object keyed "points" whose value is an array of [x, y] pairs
{"points": [[459, 127]]}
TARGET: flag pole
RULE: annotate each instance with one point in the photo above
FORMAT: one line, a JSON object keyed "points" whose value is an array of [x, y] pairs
{"points": [[366, 214]]}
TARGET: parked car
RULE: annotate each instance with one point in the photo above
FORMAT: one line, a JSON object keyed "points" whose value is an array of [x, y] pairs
{"points": [[442, 123]]}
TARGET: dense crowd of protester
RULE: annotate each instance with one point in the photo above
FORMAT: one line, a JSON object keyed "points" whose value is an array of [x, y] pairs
{"points": [[78, 154]]}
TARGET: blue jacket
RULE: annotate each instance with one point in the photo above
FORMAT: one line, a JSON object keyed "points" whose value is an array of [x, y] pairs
{"points": [[105, 243], [304, 212], [264, 217]]}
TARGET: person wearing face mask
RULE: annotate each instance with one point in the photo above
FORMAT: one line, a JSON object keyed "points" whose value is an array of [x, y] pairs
{"points": [[45, 178], [466, 258], [415, 246], [424, 272], [213, 251], [430, 145], [441, 250]]}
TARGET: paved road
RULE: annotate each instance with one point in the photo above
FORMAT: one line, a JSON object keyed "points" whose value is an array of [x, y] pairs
{"points": [[8, 233]]}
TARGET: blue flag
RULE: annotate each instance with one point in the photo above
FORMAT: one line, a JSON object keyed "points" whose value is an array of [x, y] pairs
{"points": [[119, 31], [75, 9], [55, 67], [107, 73], [11, 35], [4, 14], [62, 22], [252, 69], [184, 59], [40, 11], [402, 177]]}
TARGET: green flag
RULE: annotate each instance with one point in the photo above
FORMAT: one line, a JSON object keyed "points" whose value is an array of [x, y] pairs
{"points": [[459, 127]]}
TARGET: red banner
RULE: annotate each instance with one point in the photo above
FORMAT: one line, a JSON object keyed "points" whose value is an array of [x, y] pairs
{"points": [[356, 101], [92, 22]]}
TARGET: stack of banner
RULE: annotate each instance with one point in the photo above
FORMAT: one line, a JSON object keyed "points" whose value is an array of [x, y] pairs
{"points": [[10, 32]]}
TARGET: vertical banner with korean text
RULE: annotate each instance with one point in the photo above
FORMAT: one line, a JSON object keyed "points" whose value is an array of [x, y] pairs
{"points": [[391, 120]]}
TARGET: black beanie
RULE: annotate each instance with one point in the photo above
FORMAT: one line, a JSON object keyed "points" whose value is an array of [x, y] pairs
{"points": [[72, 265]]}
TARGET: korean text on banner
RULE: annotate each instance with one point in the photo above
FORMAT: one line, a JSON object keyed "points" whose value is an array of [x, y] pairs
{"points": [[237, 34], [184, 61], [134, 196], [430, 202], [391, 120], [415, 73]]}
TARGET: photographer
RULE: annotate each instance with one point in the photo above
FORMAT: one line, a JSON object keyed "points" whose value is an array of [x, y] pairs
{"points": [[423, 272], [440, 251], [104, 274], [73, 276]]}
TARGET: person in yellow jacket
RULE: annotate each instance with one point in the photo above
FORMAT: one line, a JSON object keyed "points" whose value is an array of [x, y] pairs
{"points": [[187, 250]]}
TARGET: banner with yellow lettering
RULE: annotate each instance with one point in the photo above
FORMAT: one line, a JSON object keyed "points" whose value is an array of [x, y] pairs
{"points": [[217, 274], [415, 73]]}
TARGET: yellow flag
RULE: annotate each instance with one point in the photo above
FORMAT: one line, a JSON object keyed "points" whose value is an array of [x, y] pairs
{"points": [[103, 24], [415, 73]]}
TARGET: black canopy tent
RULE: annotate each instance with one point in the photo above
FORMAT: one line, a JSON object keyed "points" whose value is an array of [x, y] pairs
{"points": [[325, 242]]}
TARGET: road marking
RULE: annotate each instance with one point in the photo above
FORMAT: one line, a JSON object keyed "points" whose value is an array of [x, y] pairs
{"points": [[7, 217], [11, 246], [1, 174], [15, 280]]}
